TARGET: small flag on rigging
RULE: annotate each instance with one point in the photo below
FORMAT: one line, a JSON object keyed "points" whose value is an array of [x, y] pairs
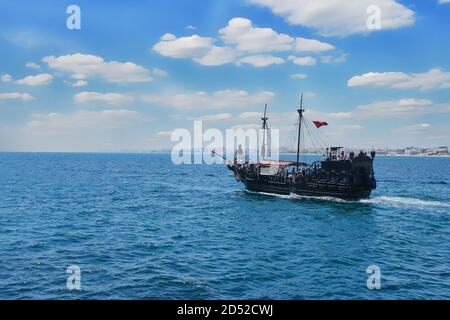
{"points": [[320, 124]]}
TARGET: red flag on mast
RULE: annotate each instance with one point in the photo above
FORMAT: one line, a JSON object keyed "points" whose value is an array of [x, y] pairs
{"points": [[320, 124]]}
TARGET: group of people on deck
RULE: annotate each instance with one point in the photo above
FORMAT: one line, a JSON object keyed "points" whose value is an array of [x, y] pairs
{"points": [[239, 156], [334, 156]]}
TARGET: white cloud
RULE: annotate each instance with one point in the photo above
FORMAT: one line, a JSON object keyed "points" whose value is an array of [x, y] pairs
{"points": [[217, 56], [396, 108], [309, 95], [216, 100], [241, 33], [433, 79], [200, 49], [303, 61], [191, 27], [160, 73], [37, 80], [213, 117], [168, 37], [185, 47], [82, 66], [312, 45], [32, 65], [102, 98], [80, 83], [242, 42], [16, 96], [420, 128], [403, 108], [340, 115], [339, 17], [6, 78], [80, 131], [250, 115], [54, 123], [334, 59], [352, 127], [444, 1], [261, 60], [298, 76]]}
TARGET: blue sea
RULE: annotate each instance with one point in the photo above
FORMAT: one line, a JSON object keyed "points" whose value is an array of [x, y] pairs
{"points": [[139, 227]]}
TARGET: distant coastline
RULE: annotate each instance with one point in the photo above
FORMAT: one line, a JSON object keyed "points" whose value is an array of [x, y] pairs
{"points": [[441, 152]]}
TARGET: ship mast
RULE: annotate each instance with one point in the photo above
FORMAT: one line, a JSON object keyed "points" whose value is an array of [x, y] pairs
{"points": [[300, 118], [263, 148]]}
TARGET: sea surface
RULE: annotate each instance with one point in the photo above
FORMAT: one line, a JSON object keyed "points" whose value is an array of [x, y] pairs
{"points": [[139, 227]]}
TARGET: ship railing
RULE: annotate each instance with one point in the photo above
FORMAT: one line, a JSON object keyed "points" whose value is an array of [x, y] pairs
{"points": [[278, 178]]}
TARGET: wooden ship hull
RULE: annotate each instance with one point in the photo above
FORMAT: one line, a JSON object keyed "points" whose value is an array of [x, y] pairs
{"points": [[309, 190]]}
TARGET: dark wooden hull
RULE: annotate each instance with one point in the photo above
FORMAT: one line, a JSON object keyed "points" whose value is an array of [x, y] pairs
{"points": [[306, 190], [275, 188]]}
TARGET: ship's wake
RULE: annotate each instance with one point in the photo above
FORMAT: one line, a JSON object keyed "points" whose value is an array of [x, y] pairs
{"points": [[379, 200], [401, 201]]}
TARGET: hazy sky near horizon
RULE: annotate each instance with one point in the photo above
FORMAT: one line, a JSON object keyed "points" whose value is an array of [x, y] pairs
{"points": [[136, 71]]}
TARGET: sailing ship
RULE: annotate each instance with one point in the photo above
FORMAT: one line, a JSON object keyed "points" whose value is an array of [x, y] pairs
{"points": [[338, 175]]}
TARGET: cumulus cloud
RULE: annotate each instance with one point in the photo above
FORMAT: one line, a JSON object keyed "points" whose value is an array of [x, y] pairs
{"points": [[239, 42], [200, 49], [80, 83], [6, 78], [37, 80], [217, 56], [184, 47], [339, 17], [32, 65], [102, 98], [82, 66], [15, 96], [241, 33], [80, 131], [433, 79], [58, 122], [414, 129], [298, 76], [312, 45], [352, 127], [395, 108], [250, 115], [216, 100], [213, 117], [334, 59], [160, 73], [402, 108], [303, 61], [261, 60]]}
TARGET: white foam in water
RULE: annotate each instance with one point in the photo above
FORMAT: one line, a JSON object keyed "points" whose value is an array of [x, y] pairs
{"points": [[270, 194], [382, 200], [405, 202], [296, 196], [332, 199]]}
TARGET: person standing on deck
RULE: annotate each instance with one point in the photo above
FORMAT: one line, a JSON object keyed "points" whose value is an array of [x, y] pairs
{"points": [[240, 155]]}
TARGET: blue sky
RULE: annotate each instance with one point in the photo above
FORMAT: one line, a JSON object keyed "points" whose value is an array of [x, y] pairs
{"points": [[135, 71]]}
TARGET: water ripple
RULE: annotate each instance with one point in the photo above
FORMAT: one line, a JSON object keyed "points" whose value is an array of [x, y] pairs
{"points": [[141, 228]]}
